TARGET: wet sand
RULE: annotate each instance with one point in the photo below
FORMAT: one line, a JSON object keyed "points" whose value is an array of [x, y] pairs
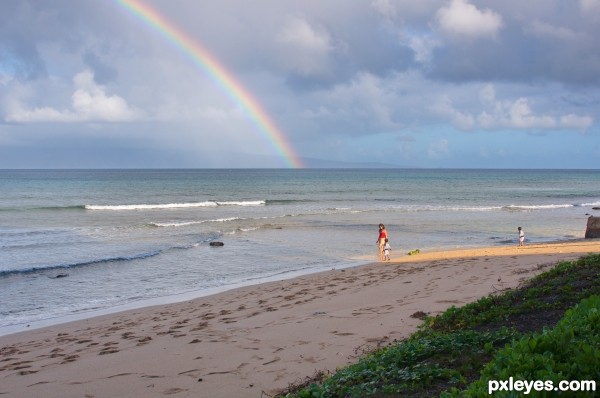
{"points": [[260, 338]]}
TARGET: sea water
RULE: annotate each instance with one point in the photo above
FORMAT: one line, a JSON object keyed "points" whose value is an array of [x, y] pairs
{"points": [[77, 241]]}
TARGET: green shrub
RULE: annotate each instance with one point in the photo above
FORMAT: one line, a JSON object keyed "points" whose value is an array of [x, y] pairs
{"points": [[413, 365], [570, 351]]}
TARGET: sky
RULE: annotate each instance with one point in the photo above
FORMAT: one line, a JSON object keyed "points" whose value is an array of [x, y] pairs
{"points": [[429, 83]]}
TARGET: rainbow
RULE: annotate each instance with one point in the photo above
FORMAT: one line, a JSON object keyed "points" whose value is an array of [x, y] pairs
{"points": [[222, 77]]}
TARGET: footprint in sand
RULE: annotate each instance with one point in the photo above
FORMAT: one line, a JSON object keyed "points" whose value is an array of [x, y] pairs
{"points": [[200, 326], [276, 359], [144, 340], [109, 348], [342, 333], [84, 341], [128, 336], [172, 391], [70, 358], [57, 352]]}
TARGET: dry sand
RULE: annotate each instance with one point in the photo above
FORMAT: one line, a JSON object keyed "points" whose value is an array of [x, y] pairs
{"points": [[258, 339]]}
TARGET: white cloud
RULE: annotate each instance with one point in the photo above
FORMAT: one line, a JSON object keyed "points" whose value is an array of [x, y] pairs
{"points": [[547, 31], [423, 47], [460, 120], [577, 122], [305, 50], [385, 8], [368, 100], [517, 114], [488, 94], [460, 18], [89, 103]]}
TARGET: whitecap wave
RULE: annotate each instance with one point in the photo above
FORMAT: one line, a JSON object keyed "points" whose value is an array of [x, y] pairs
{"points": [[591, 204], [242, 203], [151, 206], [176, 205], [538, 207], [188, 223]]}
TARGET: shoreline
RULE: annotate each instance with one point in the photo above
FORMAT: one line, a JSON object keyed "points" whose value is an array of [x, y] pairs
{"points": [[171, 299], [197, 294], [261, 337]]}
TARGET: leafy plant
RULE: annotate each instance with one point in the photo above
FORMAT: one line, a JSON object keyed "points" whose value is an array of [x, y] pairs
{"points": [[570, 351]]}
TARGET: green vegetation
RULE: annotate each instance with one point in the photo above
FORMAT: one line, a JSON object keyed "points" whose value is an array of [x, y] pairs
{"points": [[570, 351], [516, 334]]}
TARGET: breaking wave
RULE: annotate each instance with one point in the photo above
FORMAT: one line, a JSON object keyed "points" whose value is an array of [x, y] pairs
{"points": [[176, 205]]}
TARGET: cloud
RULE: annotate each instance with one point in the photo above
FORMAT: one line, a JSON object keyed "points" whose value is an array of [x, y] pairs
{"points": [[385, 8], [305, 49], [103, 73], [90, 103], [508, 114], [519, 115], [357, 72], [423, 47], [571, 121], [551, 32], [588, 6], [460, 18], [460, 120], [365, 105]]}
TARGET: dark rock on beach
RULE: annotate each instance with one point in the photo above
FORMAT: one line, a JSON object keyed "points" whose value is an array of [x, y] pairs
{"points": [[593, 228], [216, 244]]}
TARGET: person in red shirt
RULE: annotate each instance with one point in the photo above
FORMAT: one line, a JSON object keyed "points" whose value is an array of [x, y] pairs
{"points": [[381, 240]]}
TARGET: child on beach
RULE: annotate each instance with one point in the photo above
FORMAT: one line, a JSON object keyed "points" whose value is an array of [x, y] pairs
{"points": [[521, 236], [386, 250]]}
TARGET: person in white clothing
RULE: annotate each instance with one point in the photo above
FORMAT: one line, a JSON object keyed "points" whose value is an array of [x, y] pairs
{"points": [[521, 236], [386, 250]]}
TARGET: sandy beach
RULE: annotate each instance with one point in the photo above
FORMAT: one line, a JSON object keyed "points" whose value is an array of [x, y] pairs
{"points": [[256, 340]]}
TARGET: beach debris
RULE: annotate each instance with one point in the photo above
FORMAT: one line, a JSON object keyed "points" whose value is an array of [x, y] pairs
{"points": [[413, 252], [216, 244]]}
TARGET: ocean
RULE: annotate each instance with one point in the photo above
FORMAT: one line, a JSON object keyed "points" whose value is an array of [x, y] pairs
{"points": [[76, 243]]}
